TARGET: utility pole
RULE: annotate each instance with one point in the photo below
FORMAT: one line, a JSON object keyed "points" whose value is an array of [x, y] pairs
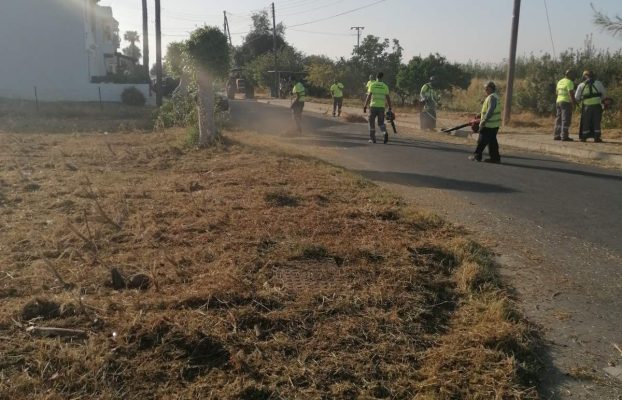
{"points": [[507, 109], [145, 41], [276, 73], [227, 31], [358, 34], [158, 54]]}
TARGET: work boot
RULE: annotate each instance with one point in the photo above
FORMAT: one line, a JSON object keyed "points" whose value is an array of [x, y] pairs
{"points": [[567, 139], [474, 158], [372, 138], [598, 140], [557, 138], [582, 139], [492, 161], [385, 138]]}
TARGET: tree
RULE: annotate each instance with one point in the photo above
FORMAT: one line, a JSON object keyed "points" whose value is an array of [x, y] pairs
{"points": [[132, 50], [321, 71], [209, 51], [259, 40], [606, 23], [417, 72]]}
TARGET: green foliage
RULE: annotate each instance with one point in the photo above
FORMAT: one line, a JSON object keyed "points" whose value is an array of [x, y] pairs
{"points": [[133, 97], [537, 93], [259, 40], [417, 72], [132, 50], [256, 72], [209, 50], [321, 73], [181, 110], [176, 62]]}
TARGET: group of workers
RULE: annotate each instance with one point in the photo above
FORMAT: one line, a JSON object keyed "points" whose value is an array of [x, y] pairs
{"points": [[590, 95]]}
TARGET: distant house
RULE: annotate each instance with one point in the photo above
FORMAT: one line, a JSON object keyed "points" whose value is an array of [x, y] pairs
{"points": [[61, 47]]}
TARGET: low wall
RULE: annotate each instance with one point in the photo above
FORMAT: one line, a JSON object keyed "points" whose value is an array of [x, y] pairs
{"points": [[110, 92]]}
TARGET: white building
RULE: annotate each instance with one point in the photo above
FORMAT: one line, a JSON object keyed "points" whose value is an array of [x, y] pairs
{"points": [[58, 48]]}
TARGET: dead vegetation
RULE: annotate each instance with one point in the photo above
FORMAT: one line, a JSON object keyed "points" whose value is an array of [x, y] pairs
{"points": [[262, 276]]}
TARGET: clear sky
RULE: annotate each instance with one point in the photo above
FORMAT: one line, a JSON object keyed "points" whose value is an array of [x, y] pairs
{"points": [[461, 30]]}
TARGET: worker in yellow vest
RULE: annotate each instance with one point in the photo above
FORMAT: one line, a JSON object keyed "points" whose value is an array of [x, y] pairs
{"points": [[489, 126], [336, 90], [377, 98], [590, 94], [564, 105], [298, 103], [430, 99]]}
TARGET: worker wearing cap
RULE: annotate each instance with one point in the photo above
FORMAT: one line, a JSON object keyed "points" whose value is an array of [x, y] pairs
{"points": [[590, 94], [377, 98], [336, 90], [564, 105], [489, 126], [298, 103], [430, 99]]}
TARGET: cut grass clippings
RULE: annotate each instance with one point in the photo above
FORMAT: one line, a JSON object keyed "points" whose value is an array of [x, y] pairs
{"points": [[263, 276]]}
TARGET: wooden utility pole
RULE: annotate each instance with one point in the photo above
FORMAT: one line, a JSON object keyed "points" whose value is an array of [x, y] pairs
{"points": [[276, 72], [227, 31], [145, 41], [507, 109], [358, 34], [158, 54]]}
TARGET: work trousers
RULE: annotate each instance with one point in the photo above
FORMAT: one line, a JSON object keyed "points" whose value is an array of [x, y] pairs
{"points": [[563, 120], [591, 117], [488, 137], [427, 118], [337, 103], [297, 108], [376, 113]]}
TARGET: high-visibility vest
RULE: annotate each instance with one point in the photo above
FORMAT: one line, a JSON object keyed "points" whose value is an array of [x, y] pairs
{"points": [[300, 89], [495, 119], [590, 96], [564, 86], [379, 92]]}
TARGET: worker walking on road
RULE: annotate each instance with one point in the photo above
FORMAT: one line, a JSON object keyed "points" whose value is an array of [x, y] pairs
{"points": [[430, 99], [298, 103], [590, 94], [564, 105], [377, 98], [336, 90], [489, 126]]}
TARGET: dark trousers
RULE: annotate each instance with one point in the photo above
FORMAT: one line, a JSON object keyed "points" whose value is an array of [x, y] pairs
{"points": [[427, 118], [488, 137], [297, 108], [376, 113], [591, 117], [337, 103], [563, 119]]}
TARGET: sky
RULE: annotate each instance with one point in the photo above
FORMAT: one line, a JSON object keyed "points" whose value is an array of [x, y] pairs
{"points": [[461, 30]]}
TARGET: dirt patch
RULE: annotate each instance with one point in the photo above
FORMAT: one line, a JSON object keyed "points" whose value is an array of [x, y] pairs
{"points": [[353, 118], [262, 276]]}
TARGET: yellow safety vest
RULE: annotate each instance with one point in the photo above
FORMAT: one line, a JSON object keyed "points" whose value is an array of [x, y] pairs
{"points": [[300, 89], [590, 96], [495, 119], [564, 87]]}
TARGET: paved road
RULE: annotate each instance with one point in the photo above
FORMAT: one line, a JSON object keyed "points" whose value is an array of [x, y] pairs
{"points": [[556, 225]]}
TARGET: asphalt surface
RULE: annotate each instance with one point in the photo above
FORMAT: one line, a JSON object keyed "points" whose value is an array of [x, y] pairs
{"points": [[555, 224]]}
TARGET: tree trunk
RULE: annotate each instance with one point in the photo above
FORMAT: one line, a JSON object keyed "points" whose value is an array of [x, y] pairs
{"points": [[207, 125]]}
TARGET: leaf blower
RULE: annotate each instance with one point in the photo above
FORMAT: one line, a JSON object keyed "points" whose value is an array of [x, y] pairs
{"points": [[390, 116], [474, 124]]}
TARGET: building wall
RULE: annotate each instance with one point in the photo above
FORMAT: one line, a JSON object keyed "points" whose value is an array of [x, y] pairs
{"points": [[44, 44]]}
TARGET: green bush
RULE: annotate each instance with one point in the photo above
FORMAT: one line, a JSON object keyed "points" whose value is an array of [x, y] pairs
{"points": [[133, 97]]}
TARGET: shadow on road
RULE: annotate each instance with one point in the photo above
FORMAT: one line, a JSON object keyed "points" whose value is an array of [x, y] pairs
{"points": [[435, 182]]}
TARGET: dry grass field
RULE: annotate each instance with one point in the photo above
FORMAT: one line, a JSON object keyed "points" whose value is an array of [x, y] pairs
{"points": [[239, 273]]}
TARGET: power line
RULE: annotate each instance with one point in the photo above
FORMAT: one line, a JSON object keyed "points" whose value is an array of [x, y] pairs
{"points": [[340, 14], [550, 30], [323, 33]]}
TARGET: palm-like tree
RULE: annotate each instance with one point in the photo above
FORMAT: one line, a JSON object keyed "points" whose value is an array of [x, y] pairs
{"points": [[612, 25], [132, 50], [132, 37]]}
